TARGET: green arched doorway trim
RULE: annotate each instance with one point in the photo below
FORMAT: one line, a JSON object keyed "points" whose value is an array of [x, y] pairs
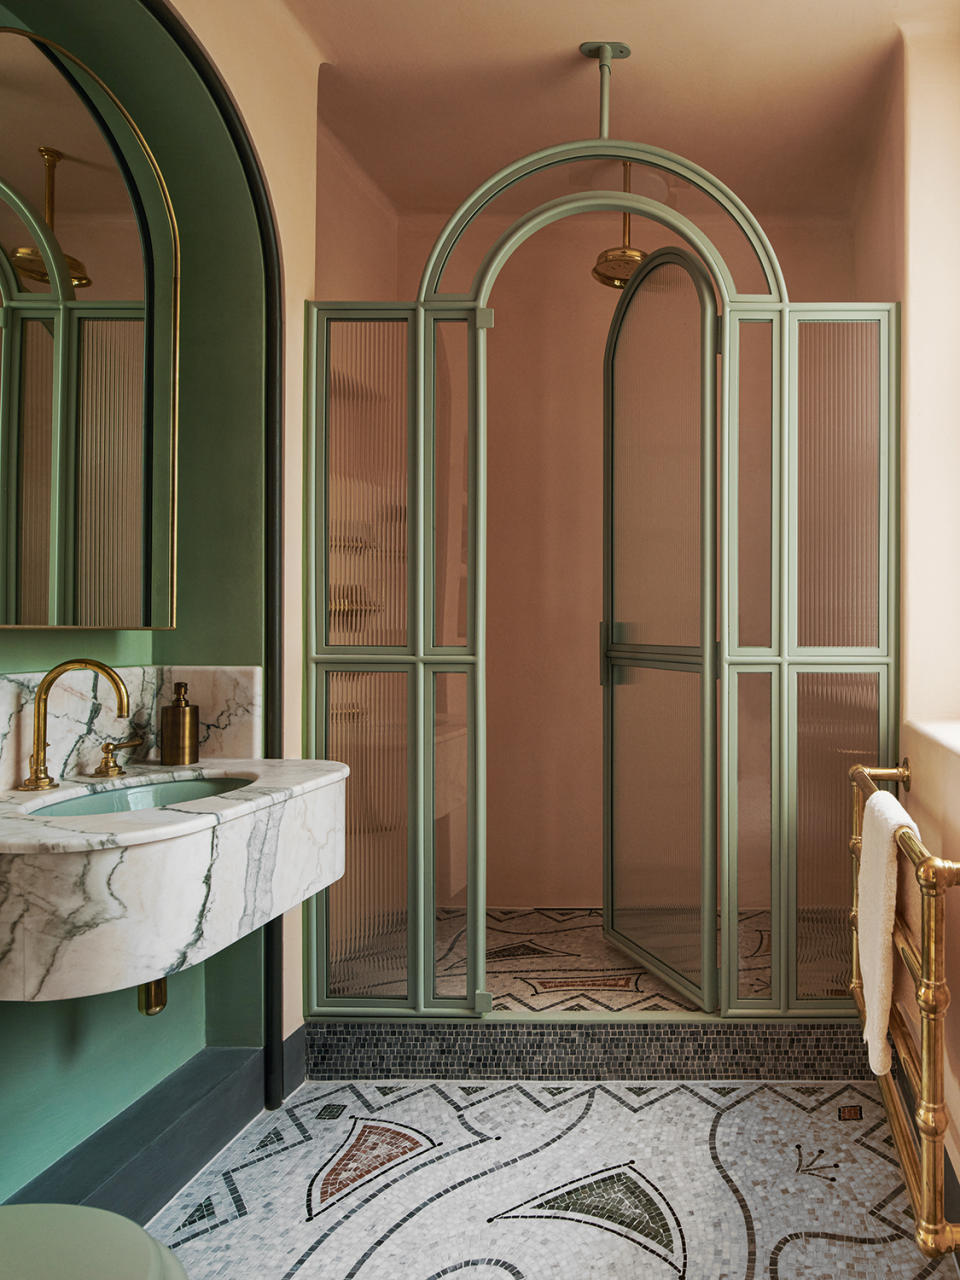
{"points": [[604, 149]]}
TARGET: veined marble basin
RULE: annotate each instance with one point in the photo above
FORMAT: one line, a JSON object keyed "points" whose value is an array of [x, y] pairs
{"points": [[99, 901], [147, 795]]}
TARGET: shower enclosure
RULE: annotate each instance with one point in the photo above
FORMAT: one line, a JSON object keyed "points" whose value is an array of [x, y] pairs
{"points": [[748, 646]]}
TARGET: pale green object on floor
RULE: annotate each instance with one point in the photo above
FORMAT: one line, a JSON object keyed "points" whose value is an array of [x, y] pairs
{"points": [[54, 1241]]}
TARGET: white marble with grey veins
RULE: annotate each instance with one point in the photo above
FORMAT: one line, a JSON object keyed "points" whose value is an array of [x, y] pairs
{"points": [[82, 715], [103, 902]]}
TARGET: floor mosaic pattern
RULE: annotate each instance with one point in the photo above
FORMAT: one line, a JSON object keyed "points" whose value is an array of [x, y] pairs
{"points": [[418, 1180], [552, 961]]}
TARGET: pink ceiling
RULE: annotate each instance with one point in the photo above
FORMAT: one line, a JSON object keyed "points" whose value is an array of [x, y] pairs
{"points": [[779, 99]]}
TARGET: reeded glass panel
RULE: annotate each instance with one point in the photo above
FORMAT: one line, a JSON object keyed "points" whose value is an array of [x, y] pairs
{"points": [[111, 474], [452, 483], [837, 726], [655, 814], [367, 719], [451, 832], [838, 477], [754, 835], [36, 454], [755, 482], [367, 483], [656, 464]]}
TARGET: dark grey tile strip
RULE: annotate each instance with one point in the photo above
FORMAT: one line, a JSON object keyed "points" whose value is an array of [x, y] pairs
{"points": [[585, 1051]]}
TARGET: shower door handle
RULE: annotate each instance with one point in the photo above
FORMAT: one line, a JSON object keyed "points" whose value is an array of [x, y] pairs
{"points": [[604, 646]]}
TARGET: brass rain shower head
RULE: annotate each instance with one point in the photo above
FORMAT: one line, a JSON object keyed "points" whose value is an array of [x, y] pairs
{"points": [[27, 259], [613, 267]]}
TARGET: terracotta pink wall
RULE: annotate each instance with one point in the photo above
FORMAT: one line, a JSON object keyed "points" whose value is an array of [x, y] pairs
{"points": [[355, 229], [545, 422]]}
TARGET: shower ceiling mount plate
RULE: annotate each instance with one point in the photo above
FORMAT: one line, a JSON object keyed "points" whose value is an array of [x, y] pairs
{"points": [[591, 48]]}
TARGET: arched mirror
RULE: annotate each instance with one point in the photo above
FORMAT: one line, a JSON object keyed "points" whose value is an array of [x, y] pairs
{"points": [[88, 341]]}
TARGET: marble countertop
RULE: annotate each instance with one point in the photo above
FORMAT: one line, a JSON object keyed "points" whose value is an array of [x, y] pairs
{"points": [[271, 781]]}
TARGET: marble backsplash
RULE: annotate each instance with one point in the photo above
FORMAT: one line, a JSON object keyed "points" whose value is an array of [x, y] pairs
{"points": [[82, 716]]}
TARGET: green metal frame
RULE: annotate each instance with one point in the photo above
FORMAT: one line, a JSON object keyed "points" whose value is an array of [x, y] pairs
{"points": [[782, 659], [700, 661]]}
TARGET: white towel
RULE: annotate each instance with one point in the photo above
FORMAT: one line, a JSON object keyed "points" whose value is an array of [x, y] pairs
{"points": [[877, 887]]}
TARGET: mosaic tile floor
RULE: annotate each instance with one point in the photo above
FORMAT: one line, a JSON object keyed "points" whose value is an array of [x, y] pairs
{"points": [[556, 959], [413, 1180]]}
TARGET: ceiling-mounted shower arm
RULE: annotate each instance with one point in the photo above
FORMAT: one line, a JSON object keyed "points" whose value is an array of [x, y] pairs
{"points": [[605, 52]]}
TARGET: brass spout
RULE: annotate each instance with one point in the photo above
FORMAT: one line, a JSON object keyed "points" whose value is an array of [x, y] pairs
{"points": [[152, 997], [39, 779]]}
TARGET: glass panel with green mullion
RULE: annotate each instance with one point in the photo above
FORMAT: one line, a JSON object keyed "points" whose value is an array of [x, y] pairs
{"points": [[367, 727], [452, 834], [366, 407]]}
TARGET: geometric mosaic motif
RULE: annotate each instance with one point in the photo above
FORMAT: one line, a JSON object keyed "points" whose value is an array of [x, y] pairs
{"points": [[273, 1139], [618, 1199], [544, 1180], [202, 1213], [371, 1147]]}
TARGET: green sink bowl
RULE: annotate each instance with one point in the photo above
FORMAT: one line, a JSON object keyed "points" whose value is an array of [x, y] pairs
{"points": [[151, 795]]}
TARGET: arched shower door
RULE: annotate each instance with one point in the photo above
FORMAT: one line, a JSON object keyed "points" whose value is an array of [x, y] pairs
{"points": [[658, 637], [750, 649]]}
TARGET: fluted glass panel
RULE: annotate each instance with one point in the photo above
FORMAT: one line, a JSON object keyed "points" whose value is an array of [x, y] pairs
{"points": [[367, 483], [111, 474], [837, 726], [452, 484], [367, 728], [451, 831], [838, 480], [754, 834], [656, 465], [36, 456], [755, 482], [656, 813]]}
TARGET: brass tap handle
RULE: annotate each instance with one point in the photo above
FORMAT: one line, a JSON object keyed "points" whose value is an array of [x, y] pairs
{"points": [[108, 766]]}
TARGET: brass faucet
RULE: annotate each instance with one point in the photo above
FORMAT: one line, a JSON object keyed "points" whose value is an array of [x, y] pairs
{"points": [[39, 779]]}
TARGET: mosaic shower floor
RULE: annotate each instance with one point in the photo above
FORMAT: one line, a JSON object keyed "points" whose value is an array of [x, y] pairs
{"points": [[557, 960], [416, 1180]]}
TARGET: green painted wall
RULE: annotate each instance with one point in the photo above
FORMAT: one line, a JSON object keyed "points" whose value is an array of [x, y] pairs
{"points": [[68, 1067]]}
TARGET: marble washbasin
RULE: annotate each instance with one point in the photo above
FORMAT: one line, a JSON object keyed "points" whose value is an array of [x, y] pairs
{"points": [[146, 795], [99, 901]]}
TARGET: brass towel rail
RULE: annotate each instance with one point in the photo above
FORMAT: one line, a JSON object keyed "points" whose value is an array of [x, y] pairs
{"points": [[921, 1155]]}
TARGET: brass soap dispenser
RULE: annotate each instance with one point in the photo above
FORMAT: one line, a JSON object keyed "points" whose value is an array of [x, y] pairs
{"points": [[179, 724]]}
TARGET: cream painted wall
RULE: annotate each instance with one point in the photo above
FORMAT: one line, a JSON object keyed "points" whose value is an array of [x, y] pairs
{"points": [[930, 603], [273, 82], [931, 377]]}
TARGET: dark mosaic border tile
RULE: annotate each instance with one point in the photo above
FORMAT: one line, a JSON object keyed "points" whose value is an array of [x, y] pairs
{"points": [[586, 1051]]}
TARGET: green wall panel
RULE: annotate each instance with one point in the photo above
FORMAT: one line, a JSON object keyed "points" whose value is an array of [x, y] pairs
{"points": [[69, 1067]]}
